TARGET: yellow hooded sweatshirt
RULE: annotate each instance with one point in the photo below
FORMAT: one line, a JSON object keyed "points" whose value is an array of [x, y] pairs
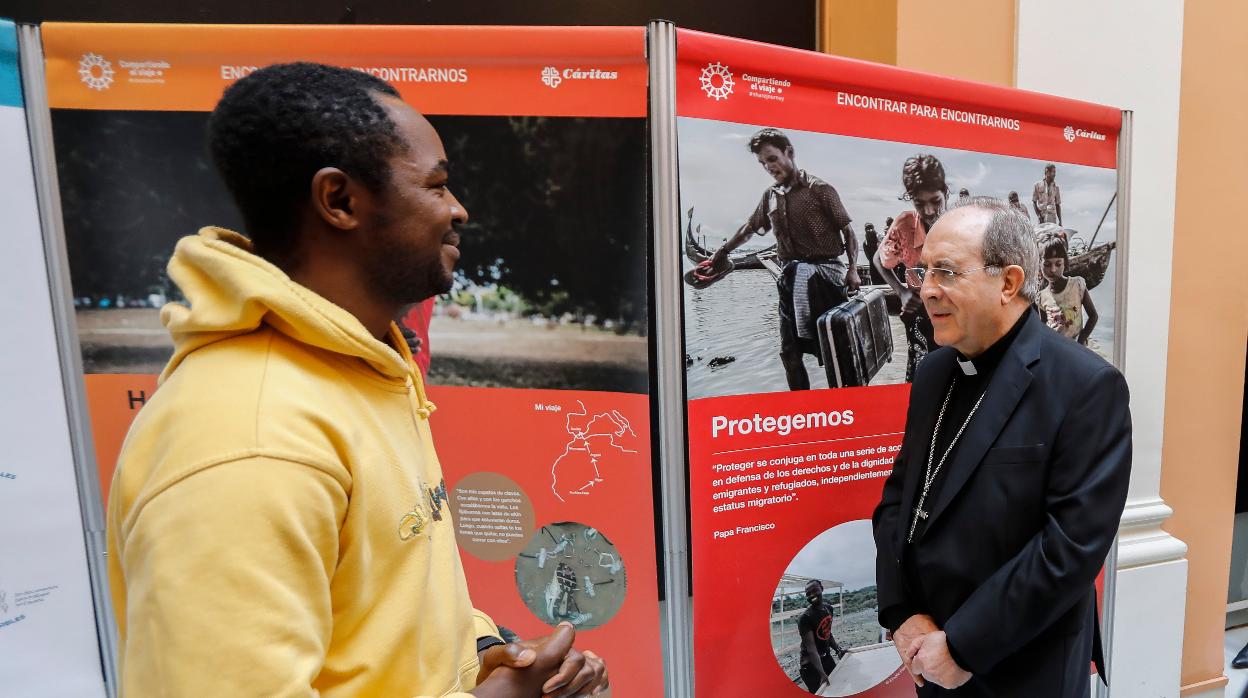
{"points": [[275, 526]]}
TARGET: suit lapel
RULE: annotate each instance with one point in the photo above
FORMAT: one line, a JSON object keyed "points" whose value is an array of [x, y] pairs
{"points": [[927, 396], [1006, 388]]}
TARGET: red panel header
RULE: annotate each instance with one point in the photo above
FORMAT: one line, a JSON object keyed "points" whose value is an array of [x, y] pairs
{"points": [[747, 82], [521, 71]]}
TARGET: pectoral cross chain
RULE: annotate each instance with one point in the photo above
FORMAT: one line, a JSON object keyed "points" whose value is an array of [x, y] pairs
{"points": [[930, 473]]}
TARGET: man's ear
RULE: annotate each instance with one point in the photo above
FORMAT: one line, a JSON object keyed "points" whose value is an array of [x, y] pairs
{"points": [[336, 198], [1012, 278]]}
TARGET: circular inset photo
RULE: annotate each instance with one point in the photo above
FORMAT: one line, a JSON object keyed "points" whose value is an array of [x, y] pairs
{"points": [[571, 571], [824, 627]]}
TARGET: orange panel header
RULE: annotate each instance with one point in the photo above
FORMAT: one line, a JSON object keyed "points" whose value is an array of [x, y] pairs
{"points": [[521, 71]]}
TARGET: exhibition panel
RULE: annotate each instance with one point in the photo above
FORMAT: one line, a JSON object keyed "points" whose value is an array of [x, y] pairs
{"points": [[804, 177], [46, 609], [537, 360]]}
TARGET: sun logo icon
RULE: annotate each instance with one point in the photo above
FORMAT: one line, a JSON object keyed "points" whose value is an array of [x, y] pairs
{"points": [[95, 71], [1069, 134], [717, 81]]}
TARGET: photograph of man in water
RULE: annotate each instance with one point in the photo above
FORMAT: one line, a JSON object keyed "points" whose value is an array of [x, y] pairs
{"points": [[814, 241], [1046, 197], [733, 324]]}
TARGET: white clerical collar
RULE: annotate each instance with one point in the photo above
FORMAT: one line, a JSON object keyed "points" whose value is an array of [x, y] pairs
{"points": [[968, 367]]}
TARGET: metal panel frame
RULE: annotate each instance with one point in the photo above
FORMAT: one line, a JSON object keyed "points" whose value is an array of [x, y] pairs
{"points": [[677, 619], [1122, 235], [47, 189]]}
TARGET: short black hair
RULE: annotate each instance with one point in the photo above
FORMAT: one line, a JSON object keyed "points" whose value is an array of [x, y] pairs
{"points": [[1051, 244], [813, 582], [769, 136], [923, 173], [273, 129]]}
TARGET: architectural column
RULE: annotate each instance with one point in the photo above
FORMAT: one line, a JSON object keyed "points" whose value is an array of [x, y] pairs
{"points": [[1119, 53]]}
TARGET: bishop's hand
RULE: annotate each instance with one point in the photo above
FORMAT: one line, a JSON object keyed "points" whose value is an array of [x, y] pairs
{"points": [[906, 641], [933, 661]]}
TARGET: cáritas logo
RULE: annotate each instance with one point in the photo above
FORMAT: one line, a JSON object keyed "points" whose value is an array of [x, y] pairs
{"points": [[717, 81], [95, 71], [1070, 133], [550, 77]]}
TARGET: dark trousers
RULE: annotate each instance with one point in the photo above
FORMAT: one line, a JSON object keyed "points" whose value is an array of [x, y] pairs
{"points": [[920, 339], [824, 296], [876, 277], [810, 677]]}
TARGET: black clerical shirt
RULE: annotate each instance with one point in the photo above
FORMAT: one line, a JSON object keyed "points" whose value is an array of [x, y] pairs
{"points": [[966, 392]]}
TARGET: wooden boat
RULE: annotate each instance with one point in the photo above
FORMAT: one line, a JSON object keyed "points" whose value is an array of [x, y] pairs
{"points": [[1091, 265], [766, 259], [1082, 260], [746, 260], [1088, 260]]}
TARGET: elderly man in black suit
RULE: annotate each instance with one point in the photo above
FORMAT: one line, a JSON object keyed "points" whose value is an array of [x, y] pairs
{"points": [[1006, 494]]}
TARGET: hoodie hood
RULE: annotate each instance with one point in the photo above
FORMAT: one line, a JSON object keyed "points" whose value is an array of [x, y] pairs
{"points": [[230, 291]]}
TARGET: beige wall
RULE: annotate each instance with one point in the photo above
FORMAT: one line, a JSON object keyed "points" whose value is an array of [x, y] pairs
{"points": [[863, 30], [971, 39], [1208, 321]]}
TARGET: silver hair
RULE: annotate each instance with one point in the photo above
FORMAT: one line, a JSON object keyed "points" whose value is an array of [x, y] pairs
{"points": [[1009, 240]]}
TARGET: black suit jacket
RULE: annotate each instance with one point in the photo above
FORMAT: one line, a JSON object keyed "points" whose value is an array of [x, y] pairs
{"points": [[1028, 508]]}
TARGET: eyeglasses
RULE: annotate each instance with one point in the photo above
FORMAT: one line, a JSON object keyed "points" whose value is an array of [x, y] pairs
{"points": [[943, 277]]}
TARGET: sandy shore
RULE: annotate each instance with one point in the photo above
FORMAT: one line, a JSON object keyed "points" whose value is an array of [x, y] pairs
{"points": [[524, 340]]}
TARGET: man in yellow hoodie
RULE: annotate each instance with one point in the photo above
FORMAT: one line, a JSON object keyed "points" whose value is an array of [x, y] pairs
{"points": [[278, 523]]}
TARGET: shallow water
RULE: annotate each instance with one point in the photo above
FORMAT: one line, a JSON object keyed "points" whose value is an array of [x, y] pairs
{"points": [[738, 318]]}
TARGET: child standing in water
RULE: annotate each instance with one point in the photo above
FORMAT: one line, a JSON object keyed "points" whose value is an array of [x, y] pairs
{"points": [[1065, 299]]}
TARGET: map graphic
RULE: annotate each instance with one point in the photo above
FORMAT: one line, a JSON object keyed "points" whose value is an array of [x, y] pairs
{"points": [[594, 441]]}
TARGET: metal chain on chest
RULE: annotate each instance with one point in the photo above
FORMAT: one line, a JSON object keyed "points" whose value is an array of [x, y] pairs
{"points": [[929, 475]]}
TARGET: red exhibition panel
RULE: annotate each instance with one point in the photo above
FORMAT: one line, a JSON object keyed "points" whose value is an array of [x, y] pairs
{"points": [[540, 377], [786, 469], [748, 82], [549, 71]]}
